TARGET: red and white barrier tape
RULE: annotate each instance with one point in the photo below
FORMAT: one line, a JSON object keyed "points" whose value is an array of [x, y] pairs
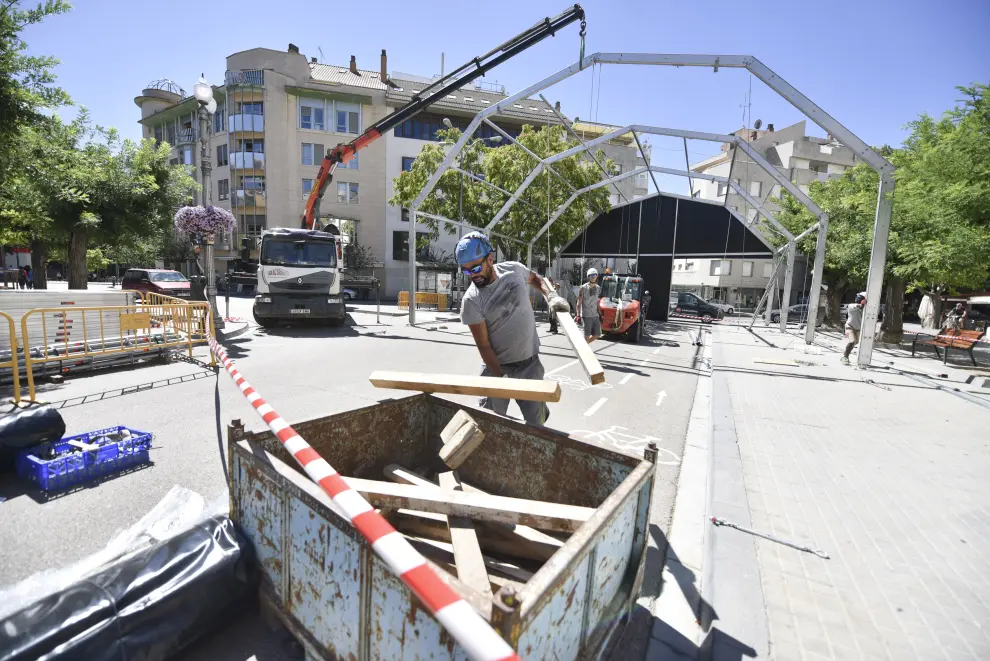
{"points": [[468, 628]]}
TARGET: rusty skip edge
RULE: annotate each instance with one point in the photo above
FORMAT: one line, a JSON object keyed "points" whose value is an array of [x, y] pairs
{"points": [[539, 589], [300, 486]]}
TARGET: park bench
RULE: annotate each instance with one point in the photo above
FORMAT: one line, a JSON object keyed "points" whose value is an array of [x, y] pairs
{"points": [[950, 338]]}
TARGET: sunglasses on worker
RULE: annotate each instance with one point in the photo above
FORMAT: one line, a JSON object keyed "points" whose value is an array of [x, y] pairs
{"points": [[474, 270]]}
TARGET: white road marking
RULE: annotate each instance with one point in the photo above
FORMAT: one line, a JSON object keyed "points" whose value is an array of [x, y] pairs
{"points": [[642, 362], [657, 350], [597, 405], [660, 396], [625, 379], [562, 367]]}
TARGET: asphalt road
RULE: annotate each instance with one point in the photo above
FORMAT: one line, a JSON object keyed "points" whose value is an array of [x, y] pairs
{"points": [[307, 372]]}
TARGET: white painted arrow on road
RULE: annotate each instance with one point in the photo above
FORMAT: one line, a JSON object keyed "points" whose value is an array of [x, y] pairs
{"points": [[660, 396]]}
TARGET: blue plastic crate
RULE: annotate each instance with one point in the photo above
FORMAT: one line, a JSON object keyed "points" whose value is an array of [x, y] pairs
{"points": [[83, 465]]}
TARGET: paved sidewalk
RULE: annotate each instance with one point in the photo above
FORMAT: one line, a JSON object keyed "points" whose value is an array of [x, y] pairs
{"points": [[887, 474]]}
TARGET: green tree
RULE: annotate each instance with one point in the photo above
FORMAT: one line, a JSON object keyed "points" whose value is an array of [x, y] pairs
{"points": [[505, 167], [940, 225]]}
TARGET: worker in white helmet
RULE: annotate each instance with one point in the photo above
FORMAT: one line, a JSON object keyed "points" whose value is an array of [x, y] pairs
{"points": [[587, 307]]}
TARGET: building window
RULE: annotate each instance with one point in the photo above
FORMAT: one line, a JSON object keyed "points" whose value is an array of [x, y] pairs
{"points": [[750, 214], [311, 115], [222, 155], [218, 121], [400, 246], [767, 268], [720, 267], [721, 189], [405, 215], [347, 192], [173, 161], [253, 184], [307, 188], [253, 108], [170, 134], [159, 134], [755, 188], [747, 269], [689, 266], [348, 117], [223, 189], [407, 163], [349, 165], [312, 153], [186, 156]]}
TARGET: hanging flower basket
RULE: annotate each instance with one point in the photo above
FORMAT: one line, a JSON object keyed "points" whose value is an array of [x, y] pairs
{"points": [[210, 221]]}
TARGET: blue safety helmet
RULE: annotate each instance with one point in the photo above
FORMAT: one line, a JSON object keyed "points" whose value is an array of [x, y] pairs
{"points": [[473, 246]]}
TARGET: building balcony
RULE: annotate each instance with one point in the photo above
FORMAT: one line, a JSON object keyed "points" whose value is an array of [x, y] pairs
{"points": [[245, 77], [255, 123], [185, 136], [247, 199], [247, 160]]}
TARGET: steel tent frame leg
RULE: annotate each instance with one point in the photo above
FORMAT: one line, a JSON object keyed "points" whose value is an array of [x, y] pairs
{"points": [[878, 263], [815, 295], [785, 300]]}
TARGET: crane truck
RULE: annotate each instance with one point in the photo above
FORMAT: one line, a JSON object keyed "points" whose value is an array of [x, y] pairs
{"points": [[299, 269]]}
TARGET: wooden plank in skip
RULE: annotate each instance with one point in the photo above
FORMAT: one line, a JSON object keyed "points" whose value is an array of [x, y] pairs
{"points": [[464, 539], [461, 384], [533, 513], [521, 541], [460, 438], [587, 357]]}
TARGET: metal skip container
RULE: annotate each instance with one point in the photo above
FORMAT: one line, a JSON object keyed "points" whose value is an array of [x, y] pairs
{"points": [[323, 581]]}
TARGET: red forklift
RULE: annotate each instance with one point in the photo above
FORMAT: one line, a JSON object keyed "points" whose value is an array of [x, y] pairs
{"points": [[621, 305]]}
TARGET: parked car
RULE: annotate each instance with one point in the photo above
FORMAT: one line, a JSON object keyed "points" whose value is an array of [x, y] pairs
{"points": [[691, 305], [796, 314], [724, 307], [348, 294], [158, 281]]}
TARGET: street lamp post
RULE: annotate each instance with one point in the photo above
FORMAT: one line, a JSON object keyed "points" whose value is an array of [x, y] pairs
{"points": [[207, 106]]}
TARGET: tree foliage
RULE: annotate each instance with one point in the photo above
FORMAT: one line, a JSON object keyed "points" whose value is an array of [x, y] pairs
{"points": [[506, 167], [940, 224]]}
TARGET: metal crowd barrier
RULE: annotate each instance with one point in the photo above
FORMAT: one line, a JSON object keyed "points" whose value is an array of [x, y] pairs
{"points": [[157, 324], [12, 362]]}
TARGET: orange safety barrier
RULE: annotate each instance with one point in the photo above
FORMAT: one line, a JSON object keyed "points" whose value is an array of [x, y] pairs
{"points": [[12, 363]]}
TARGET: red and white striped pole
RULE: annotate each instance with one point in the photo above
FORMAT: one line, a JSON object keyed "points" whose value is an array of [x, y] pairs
{"points": [[468, 628]]}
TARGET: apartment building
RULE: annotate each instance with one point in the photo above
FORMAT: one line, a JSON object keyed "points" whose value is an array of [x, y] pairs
{"points": [[277, 113], [802, 159], [626, 155]]}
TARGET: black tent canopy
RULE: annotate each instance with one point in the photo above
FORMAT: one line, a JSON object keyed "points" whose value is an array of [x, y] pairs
{"points": [[656, 228]]}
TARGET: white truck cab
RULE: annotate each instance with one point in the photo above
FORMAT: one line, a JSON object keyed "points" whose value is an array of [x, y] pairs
{"points": [[298, 277]]}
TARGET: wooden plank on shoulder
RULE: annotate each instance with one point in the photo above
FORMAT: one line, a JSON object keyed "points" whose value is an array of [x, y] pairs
{"points": [[533, 513], [589, 361], [462, 384], [464, 539]]}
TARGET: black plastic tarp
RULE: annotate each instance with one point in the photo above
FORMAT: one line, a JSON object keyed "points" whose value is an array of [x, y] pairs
{"points": [[26, 427], [145, 606]]}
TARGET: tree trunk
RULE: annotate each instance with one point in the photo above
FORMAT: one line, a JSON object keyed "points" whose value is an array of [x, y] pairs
{"points": [[892, 326], [833, 304], [77, 259], [39, 263]]}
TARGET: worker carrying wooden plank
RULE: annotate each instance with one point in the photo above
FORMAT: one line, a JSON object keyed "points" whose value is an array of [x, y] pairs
{"points": [[497, 309]]}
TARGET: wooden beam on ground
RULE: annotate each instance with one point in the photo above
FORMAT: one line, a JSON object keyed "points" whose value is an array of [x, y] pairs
{"points": [[587, 357], [464, 539], [533, 513], [460, 438], [462, 384], [521, 541]]}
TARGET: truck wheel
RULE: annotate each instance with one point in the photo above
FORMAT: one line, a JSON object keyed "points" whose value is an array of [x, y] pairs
{"points": [[635, 332], [264, 322], [334, 322]]}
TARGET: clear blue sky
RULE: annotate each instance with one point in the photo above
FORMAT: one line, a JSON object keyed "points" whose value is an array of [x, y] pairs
{"points": [[872, 64]]}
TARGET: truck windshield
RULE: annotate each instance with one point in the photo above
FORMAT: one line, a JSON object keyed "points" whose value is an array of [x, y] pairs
{"points": [[625, 289], [298, 252]]}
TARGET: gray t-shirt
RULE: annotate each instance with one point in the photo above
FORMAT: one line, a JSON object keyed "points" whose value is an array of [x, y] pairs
{"points": [[854, 319], [589, 295], [505, 308]]}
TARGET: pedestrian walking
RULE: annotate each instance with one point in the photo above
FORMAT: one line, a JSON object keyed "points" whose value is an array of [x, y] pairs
{"points": [[558, 287], [29, 275], [854, 324], [587, 307], [21, 278]]}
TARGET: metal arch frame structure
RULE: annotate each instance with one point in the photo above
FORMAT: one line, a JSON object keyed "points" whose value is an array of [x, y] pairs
{"points": [[802, 103]]}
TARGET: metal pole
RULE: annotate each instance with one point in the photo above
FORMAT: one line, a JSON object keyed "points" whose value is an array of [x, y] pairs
{"points": [[639, 228], [878, 262], [673, 253], [412, 266], [771, 292], [788, 284], [205, 167], [378, 301], [687, 166], [816, 280]]}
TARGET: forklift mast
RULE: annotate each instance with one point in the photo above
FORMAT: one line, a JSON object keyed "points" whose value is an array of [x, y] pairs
{"points": [[456, 79]]}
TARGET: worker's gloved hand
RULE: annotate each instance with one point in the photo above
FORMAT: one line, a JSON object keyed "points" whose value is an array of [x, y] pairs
{"points": [[559, 304]]}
